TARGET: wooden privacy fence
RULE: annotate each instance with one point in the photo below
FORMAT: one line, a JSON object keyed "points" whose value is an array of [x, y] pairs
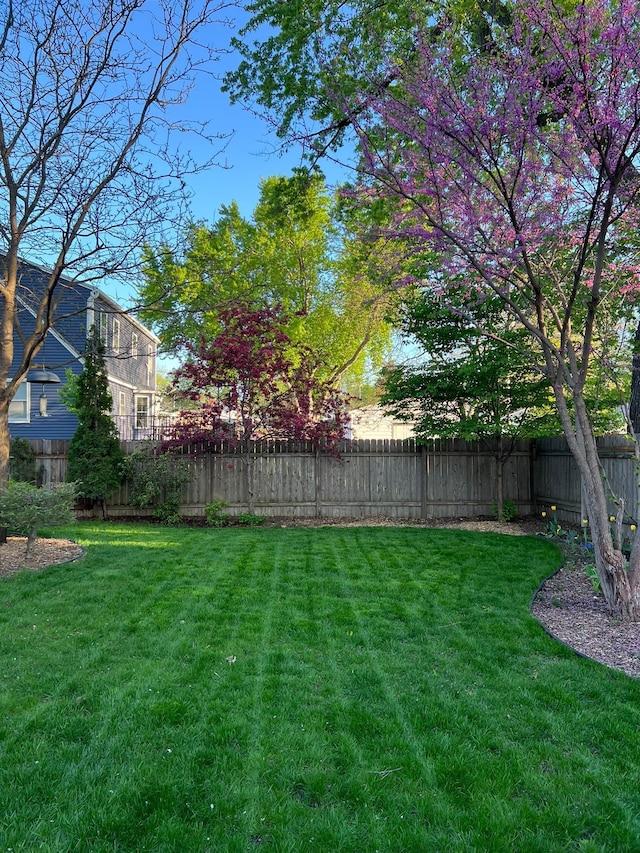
{"points": [[400, 479], [448, 478], [557, 480], [51, 460]]}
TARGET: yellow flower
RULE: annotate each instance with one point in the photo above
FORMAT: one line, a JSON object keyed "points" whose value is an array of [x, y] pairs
{"points": [[553, 508], [612, 518], [632, 527], [585, 521], [544, 514]]}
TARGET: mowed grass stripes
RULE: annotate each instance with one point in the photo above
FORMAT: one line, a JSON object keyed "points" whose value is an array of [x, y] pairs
{"points": [[333, 689]]}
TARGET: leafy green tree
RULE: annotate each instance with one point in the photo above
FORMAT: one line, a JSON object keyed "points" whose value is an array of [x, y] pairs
{"points": [[288, 70], [95, 456], [298, 253], [475, 379]]}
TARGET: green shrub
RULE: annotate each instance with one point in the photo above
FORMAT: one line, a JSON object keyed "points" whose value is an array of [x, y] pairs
{"points": [[156, 481], [22, 460], [24, 508], [215, 515], [168, 512], [250, 519], [509, 510]]}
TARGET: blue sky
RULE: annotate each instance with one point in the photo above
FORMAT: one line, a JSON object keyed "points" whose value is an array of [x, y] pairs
{"points": [[253, 152]]}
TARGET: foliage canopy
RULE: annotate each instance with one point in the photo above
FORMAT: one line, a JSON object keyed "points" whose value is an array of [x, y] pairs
{"points": [[252, 381], [297, 253]]}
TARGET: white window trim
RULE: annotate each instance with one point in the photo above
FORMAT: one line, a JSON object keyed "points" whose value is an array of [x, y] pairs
{"points": [[150, 355], [122, 404], [103, 330], [134, 345], [115, 336], [147, 414], [27, 419]]}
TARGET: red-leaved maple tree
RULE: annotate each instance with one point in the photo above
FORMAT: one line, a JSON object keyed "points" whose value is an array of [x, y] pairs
{"points": [[252, 382], [514, 169]]}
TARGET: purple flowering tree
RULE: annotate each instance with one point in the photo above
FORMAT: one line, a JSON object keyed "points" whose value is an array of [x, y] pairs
{"points": [[514, 169]]}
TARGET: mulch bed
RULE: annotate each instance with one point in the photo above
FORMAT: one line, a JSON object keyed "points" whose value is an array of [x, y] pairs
{"points": [[45, 552]]}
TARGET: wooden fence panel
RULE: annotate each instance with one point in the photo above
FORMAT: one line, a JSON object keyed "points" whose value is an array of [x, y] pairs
{"points": [[371, 478], [557, 479], [461, 478], [285, 478], [446, 478], [51, 459]]}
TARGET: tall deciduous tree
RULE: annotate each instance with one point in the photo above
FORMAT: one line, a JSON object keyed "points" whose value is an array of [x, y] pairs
{"points": [[87, 169], [475, 378], [296, 252], [486, 163]]}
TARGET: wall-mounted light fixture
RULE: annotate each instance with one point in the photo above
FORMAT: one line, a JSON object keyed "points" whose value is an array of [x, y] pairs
{"points": [[44, 377]]}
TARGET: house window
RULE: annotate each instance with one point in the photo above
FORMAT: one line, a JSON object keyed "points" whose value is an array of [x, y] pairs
{"points": [[19, 407], [142, 412], [122, 404], [134, 345], [115, 336], [103, 327]]}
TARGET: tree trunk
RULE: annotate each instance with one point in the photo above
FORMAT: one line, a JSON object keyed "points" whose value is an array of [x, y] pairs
{"points": [[619, 581], [31, 541], [634, 399], [500, 463], [5, 442]]}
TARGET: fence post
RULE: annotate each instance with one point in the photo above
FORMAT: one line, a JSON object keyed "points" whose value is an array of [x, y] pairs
{"points": [[318, 484], [423, 481]]}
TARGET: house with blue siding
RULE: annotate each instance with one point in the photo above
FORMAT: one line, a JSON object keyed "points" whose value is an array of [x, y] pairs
{"points": [[37, 412]]}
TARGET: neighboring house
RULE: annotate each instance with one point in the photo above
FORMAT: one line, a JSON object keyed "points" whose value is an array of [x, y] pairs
{"points": [[130, 355], [372, 422]]}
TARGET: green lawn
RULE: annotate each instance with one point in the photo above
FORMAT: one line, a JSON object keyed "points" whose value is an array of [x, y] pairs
{"points": [[390, 692]]}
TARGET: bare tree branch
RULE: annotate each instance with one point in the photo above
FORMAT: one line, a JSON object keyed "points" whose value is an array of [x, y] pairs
{"points": [[89, 171]]}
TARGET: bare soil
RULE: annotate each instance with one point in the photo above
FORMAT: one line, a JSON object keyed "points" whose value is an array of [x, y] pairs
{"points": [[566, 604]]}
